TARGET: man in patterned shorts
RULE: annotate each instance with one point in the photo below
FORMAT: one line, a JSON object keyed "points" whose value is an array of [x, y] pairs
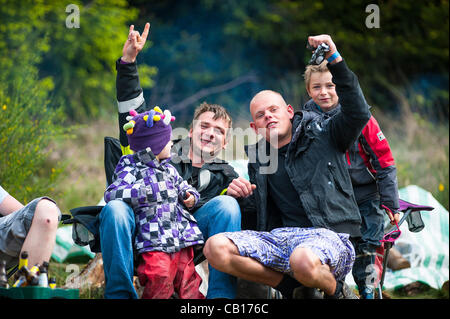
{"points": [[306, 209]]}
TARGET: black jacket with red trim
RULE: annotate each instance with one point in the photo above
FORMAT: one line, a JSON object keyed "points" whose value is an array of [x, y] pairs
{"points": [[370, 162]]}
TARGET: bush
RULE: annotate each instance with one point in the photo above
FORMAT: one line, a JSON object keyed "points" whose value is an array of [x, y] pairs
{"points": [[27, 126]]}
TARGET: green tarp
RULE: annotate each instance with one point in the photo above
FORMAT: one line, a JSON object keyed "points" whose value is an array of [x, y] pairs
{"points": [[66, 250], [427, 250]]}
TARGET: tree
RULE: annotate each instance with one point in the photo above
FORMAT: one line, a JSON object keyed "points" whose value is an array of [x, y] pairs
{"points": [[409, 50], [82, 60]]}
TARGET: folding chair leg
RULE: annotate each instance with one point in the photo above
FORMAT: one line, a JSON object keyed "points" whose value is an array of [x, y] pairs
{"points": [[380, 292], [387, 247]]}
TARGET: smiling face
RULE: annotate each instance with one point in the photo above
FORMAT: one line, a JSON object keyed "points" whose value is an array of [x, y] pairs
{"points": [[322, 90], [272, 117], [208, 136]]}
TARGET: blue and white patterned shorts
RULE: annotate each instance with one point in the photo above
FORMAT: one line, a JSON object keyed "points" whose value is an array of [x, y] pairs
{"points": [[274, 248]]}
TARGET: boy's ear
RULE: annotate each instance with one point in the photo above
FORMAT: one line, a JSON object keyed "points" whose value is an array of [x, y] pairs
{"points": [[225, 143]]}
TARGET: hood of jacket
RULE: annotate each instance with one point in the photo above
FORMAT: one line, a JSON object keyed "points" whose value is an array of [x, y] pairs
{"points": [[312, 106], [147, 157]]}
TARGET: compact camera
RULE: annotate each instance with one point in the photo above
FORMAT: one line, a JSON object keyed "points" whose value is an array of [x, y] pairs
{"points": [[318, 54]]}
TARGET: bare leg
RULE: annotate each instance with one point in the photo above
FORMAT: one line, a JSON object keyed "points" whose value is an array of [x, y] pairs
{"points": [[309, 270], [223, 255], [41, 237]]}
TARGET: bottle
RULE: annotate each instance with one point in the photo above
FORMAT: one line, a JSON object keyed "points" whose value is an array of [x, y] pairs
{"points": [[3, 278], [21, 275], [43, 278], [52, 282], [21, 281], [26, 277], [33, 276], [23, 261]]}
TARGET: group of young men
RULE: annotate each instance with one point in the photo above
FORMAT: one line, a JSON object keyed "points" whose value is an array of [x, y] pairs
{"points": [[293, 229]]}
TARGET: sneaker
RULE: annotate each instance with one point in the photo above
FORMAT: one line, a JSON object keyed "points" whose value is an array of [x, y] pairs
{"points": [[367, 293], [307, 293], [344, 293]]}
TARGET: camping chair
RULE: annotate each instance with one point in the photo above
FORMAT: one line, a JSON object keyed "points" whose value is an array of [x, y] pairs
{"points": [[412, 215]]}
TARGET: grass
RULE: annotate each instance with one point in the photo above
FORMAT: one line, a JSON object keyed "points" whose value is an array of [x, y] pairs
{"points": [[419, 290], [421, 153], [414, 290], [84, 182]]}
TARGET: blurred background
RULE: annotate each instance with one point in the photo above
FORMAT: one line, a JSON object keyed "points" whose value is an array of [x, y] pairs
{"points": [[57, 83]]}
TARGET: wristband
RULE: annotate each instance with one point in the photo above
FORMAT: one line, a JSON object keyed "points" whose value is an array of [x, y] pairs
{"points": [[333, 57]]}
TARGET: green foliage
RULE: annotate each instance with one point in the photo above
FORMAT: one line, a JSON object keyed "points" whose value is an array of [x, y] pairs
{"points": [[22, 42], [409, 48], [52, 74], [82, 60], [28, 127], [78, 63]]}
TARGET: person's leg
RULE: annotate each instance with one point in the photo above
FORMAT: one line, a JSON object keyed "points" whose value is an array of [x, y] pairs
{"points": [[220, 214], [261, 257], [321, 258], [223, 255], [33, 229], [117, 228], [40, 240], [309, 270], [372, 228], [156, 272], [187, 281]]}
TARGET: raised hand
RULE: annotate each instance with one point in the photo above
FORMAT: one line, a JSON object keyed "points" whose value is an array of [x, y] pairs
{"points": [[314, 41], [134, 44]]}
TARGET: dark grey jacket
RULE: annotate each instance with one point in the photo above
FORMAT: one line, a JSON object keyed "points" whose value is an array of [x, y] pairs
{"points": [[370, 163], [315, 161]]}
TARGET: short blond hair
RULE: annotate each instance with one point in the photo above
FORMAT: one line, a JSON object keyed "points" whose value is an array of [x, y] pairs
{"points": [[322, 68]]}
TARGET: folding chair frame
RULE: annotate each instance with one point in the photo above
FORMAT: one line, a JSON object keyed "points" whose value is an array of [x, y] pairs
{"points": [[407, 208]]}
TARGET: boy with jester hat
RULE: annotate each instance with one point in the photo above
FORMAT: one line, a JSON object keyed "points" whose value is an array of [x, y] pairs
{"points": [[160, 198]]}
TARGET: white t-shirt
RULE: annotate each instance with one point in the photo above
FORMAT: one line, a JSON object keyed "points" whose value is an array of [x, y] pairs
{"points": [[3, 194]]}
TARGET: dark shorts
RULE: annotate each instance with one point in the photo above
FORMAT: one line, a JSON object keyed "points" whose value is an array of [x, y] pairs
{"points": [[274, 248], [13, 230]]}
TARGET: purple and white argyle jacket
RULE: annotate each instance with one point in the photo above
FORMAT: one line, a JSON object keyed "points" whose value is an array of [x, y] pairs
{"points": [[152, 188]]}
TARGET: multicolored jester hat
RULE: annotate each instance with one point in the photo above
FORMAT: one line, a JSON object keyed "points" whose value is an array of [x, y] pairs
{"points": [[149, 129]]}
